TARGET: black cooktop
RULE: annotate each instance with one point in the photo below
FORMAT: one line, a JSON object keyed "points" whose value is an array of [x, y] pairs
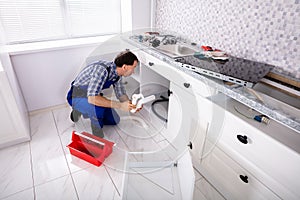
{"points": [[233, 69]]}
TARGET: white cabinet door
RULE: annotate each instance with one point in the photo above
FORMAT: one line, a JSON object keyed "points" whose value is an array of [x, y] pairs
{"points": [[183, 127], [185, 117], [156, 180], [12, 127], [196, 116]]}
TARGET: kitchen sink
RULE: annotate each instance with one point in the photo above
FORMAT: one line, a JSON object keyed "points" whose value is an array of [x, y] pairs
{"points": [[175, 50]]}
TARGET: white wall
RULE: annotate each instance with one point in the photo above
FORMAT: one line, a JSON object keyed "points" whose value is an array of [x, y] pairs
{"points": [[45, 77], [141, 14]]}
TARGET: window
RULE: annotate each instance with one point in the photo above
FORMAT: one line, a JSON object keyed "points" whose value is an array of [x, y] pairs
{"points": [[39, 20]]}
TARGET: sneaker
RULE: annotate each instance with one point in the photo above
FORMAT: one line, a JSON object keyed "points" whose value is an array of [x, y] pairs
{"points": [[75, 115], [97, 131]]}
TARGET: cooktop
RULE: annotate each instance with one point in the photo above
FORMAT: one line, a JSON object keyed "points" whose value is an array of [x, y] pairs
{"points": [[233, 69]]}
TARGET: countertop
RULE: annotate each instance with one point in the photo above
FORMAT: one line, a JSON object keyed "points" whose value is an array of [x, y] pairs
{"points": [[239, 93]]}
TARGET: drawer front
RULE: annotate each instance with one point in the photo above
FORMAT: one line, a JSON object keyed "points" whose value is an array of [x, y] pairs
{"points": [[270, 156], [233, 179], [187, 82]]}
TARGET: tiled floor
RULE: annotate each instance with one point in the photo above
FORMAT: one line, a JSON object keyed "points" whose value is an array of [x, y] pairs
{"points": [[44, 169]]}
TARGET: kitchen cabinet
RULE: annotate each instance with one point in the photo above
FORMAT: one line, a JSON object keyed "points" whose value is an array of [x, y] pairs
{"points": [[245, 154], [275, 163], [173, 174], [13, 126], [264, 167], [185, 118]]}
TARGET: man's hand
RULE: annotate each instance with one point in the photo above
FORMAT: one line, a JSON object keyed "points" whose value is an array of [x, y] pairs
{"points": [[126, 106]]}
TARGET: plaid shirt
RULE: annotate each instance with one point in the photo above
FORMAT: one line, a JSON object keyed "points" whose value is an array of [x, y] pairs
{"points": [[95, 75]]}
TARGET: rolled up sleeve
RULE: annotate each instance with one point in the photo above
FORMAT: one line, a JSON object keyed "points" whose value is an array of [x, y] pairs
{"points": [[119, 89]]}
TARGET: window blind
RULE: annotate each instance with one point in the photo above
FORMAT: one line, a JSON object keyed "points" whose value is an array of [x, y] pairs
{"points": [[94, 17], [39, 20]]}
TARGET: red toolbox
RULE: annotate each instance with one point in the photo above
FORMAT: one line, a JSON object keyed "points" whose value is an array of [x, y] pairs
{"points": [[90, 148]]}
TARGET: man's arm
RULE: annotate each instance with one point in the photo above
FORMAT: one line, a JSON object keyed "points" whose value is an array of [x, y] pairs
{"points": [[107, 103]]}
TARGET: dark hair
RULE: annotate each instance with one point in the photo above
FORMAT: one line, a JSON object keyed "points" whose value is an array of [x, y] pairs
{"points": [[125, 57]]}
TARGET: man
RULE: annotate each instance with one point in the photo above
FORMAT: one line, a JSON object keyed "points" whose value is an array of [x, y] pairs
{"points": [[86, 97]]}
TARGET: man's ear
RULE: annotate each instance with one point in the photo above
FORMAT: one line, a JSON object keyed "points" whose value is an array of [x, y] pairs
{"points": [[124, 67]]}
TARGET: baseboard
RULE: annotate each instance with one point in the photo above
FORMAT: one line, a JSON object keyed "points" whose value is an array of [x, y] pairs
{"points": [[34, 112]]}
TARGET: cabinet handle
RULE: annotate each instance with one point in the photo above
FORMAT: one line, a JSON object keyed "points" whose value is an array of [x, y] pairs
{"points": [[242, 139], [190, 145], [187, 85], [151, 63], [244, 178]]}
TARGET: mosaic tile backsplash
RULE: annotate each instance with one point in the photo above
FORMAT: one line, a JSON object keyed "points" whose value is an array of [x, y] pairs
{"points": [[262, 30]]}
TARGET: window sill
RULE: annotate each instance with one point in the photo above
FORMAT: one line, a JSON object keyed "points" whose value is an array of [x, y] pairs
{"points": [[17, 49]]}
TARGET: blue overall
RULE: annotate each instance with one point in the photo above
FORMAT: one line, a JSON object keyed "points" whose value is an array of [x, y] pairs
{"points": [[99, 116]]}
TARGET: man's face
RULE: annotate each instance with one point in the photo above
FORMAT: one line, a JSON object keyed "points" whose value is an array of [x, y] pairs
{"points": [[129, 69]]}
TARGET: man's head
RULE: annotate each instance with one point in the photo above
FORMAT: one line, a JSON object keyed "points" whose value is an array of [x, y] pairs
{"points": [[126, 62]]}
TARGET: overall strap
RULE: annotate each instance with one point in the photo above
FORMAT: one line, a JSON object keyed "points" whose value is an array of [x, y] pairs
{"points": [[108, 71]]}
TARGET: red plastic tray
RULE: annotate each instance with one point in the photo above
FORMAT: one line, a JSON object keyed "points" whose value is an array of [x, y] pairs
{"points": [[90, 148]]}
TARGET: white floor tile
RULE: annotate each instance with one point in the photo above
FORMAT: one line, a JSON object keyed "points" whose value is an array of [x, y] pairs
{"points": [[61, 188], [23, 195], [62, 119], [111, 134], [208, 190], [198, 176], [117, 178], [94, 183], [116, 159], [198, 194], [135, 135], [147, 188], [47, 154], [163, 177], [15, 169]]}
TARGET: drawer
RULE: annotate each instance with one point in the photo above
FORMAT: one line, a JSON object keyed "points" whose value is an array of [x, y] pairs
{"points": [[187, 82], [194, 86], [266, 154], [155, 64], [234, 181]]}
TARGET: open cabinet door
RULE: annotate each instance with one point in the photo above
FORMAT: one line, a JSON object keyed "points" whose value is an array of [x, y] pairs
{"points": [[186, 176], [158, 180], [166, 172], [181, 121]]}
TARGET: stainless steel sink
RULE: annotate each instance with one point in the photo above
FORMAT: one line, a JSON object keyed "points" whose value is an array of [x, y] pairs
{"points": [[175, 50]]}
